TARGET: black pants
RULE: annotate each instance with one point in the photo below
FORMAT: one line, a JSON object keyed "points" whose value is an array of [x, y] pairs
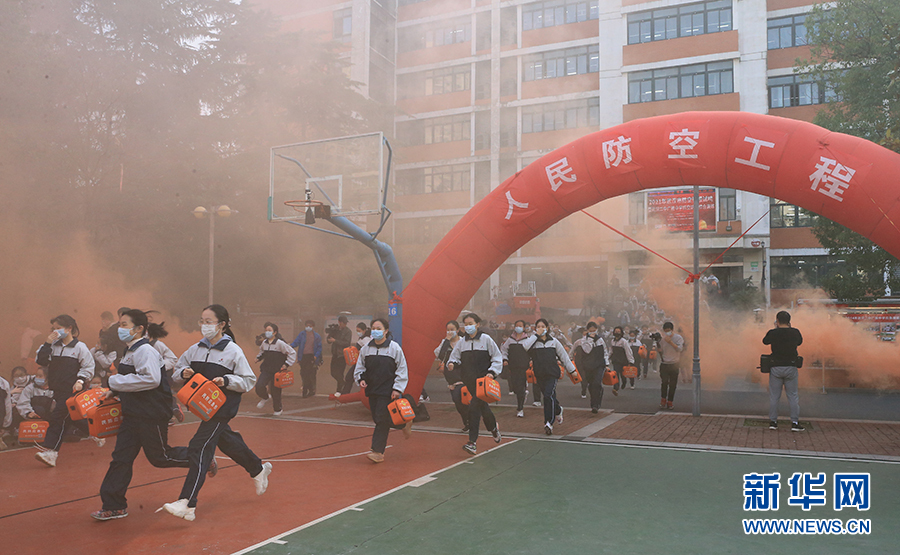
{"points": [[593, 381], [136, 434], [552, 408], [60, 423], [619, 368], [456, 395], [644, 366], [337, 371], [308, 370], [669, 375], [265, 385], [202, 448], [348, 380], [478, 411], [517, 383], [378, 405]]}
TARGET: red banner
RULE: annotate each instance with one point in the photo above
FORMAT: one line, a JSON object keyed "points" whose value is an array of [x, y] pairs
{"points": [[674, 210]]}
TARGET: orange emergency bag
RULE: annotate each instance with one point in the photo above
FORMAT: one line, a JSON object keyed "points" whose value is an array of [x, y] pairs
{"points": [[576, 377], [642, 351], [610, 377], [466, 396], [81, 403], [630, 371], [33, 430], [529, 376], [487, 389], [105, 418], [401, 411], [284, 379], [201, 396], [351, 354], [653, 354]]}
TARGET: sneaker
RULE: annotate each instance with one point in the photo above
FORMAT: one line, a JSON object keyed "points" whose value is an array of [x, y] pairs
{"points": [[670, 405], [213, 468], [109, 515], [465, 428], [337, 394], [662, 403], [559, 418], [583, 396], [773, 425], [595, 411], [262, 479], [796, 427], [99, 441], [47, 457], [470, 448], [178, 413], [262, 404], [616, 392], [548, 429], [521, 414], [496, 433], [407, 430], [536, 404], [632, 387], [375, 457], [180, 509], [277, 413]]}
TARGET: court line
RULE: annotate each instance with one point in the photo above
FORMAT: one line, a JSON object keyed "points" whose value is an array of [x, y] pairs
{"points": [[357, 506], [315, 459]]}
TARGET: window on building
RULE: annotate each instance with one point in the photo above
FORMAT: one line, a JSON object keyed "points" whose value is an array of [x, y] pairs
{"points": [[438, 179], [683, 21], [447, 129], [439, 33], [448, 80], [786, 32], [343, 24], [727, 205], [558, 12], [782, 214], [561, 63], [798, 90], [801, 272], [561, 115], [681, 82], [636, 209]]}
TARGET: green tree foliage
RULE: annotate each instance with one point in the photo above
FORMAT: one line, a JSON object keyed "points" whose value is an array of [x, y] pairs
{"points": [[855, 50]]}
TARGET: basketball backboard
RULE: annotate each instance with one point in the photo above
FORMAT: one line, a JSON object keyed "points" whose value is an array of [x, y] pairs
{"points": [[346, 173]]}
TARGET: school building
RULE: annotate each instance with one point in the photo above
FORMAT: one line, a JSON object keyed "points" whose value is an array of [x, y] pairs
{"points": [[482, 88]]}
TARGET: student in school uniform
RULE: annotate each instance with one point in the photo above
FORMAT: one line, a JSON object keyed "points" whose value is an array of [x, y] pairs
{"points": [[70, 368], [621, 356], [476, 356], [218, 358], [545, 350], [594, 362], [276, 356], [516, 361], [453, 377], [635, 343], [146, 397], [381, 370]]}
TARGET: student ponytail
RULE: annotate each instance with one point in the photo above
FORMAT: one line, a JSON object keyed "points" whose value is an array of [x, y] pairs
{"points": [[157, 331], [222, 316]]}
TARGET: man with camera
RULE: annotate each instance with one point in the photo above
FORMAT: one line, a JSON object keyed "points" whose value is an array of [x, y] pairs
{"points": [[670, 349], [340, 337], [783, 374]]}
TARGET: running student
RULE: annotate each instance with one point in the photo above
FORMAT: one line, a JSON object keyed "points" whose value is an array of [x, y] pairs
{"points": [[276, 356], [362, 332], [218, 358], [155, 332], [477, 356], [594, 362], [381, 370], [621, 356], [146, 399], [453, 377], [70, 368], [635, 345], [516, 361], [545, 350]]}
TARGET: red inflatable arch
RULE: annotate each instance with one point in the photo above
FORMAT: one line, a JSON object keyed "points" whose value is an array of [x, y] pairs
{"points": [[846, 179]]}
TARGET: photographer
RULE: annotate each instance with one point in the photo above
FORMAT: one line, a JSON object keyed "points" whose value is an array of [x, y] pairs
{"points": [[671, 348], [339, 337], [784, 341]]}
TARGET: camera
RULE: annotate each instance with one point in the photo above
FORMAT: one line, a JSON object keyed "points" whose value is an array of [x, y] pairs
{"points": [[331, 330], [655, 336]]}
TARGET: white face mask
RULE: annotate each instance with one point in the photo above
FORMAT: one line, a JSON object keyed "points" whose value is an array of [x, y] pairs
{"points": [[308, 328], [209, 331], [451, 334], [669, 333], [269, 334], [519, 329]]}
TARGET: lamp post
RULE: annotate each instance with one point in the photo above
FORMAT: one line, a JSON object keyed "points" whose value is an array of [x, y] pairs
{"points": [[201, 212]]}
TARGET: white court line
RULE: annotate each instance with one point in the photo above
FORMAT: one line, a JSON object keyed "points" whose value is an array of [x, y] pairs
{"points": [[356, 506], [315, 459]]}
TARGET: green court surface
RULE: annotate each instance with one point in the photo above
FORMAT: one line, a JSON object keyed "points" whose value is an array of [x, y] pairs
{"points": [[558, 497]]}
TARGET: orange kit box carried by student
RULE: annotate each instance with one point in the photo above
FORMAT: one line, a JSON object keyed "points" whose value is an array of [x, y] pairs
{"points": [[630, 371], [284, 379], [642, 351], [201, 396], [466, 396], [575, 376], [652, 354], [487, 389], [610, 377], [530, 377], [351, 354], [104, 419], [33, 430], [80, 404], [401, 411]]}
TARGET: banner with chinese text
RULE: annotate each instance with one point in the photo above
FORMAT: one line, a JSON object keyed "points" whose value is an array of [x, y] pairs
{"points": [[674, 210]]}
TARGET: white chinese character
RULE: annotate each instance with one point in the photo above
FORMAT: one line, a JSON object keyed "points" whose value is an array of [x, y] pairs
{"points": [[616, 151], [757, 144], [683, 141], [761, 491], [851, 490], [559, 171], [514, 204], [833, 177], [807, 491]]}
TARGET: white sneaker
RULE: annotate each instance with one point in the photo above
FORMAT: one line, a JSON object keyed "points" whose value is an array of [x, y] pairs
{"points": [[180, 509], [521, 414], [337, 394], [559, 417], [99, 441], [536, 404], [277, 413], [583, 396], [262, 404], [47, 457], [632, 387], [496, 433], [262, 479]]}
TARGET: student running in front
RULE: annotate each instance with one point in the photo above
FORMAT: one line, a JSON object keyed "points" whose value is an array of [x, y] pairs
{"points": [[381, 370], [545, 350], [146, 399], [453, 377], [593, 363], [155, 332], [218, 358], [621, 356], [477, 356], [276, 356], [70, 368], [635, 343], [516, 361]]}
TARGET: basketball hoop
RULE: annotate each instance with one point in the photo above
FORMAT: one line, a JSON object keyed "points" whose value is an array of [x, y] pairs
{"points": [[319, 209]]}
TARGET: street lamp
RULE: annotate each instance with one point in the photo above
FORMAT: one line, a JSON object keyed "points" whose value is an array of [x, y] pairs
{"points": [[201, 212]]}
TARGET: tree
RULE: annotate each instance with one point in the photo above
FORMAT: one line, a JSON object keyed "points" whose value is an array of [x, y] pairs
{"points": [[855, 51]]}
